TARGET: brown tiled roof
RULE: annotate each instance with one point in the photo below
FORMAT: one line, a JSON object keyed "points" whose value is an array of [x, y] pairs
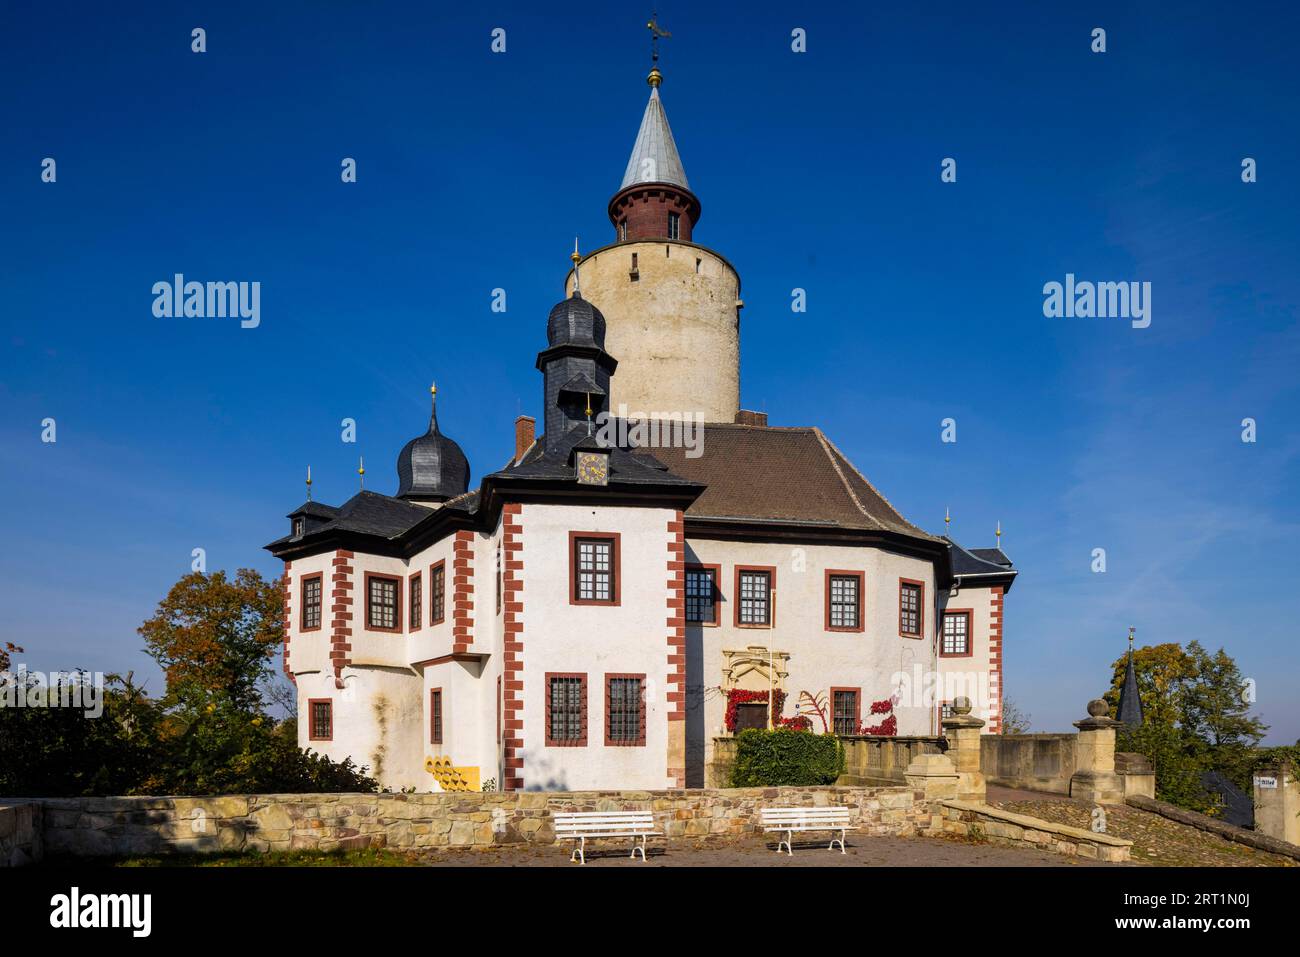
{"points": [[783, 474]]}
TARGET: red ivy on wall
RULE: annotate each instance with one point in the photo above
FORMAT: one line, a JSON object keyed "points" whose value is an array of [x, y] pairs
{"points": [[739, 696], [887, 728]]}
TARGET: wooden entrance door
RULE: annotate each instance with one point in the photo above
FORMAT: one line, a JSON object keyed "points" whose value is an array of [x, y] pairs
{"points": [[751, 716]]}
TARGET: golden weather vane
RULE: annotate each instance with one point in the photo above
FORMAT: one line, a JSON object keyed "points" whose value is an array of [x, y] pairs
{"points": [[656, 32]]}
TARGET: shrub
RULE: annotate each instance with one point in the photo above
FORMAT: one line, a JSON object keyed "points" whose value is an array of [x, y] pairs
{"points": [[784, 756]]}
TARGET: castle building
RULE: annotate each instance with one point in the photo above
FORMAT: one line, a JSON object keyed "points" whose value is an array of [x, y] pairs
{"points": [[657, 569]]}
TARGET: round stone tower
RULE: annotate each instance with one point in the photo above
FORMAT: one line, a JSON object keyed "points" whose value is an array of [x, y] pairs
{"points": [[672, 307]]}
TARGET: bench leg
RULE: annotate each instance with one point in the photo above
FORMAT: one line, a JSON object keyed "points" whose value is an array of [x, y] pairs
{"points": [[831, 847], [640, 847], [579, 852], [789, 835]]}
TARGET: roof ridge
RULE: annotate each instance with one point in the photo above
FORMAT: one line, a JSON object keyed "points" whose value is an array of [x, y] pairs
{"points": [[832, 447]]}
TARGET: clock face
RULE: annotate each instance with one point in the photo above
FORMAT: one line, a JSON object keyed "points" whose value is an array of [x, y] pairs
{"points": [[593, 468]]}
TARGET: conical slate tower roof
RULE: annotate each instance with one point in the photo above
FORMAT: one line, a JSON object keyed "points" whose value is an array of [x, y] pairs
{"points": [[654, 155], [1130, 705]]}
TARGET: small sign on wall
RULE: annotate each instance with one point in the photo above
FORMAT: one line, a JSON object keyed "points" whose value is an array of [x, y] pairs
{"points": [[1266, 782]]}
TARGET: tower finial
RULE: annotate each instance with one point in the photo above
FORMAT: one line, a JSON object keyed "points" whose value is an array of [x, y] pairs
{"points": [[309, 483], [1130, 639], [361, 471], [947, 519], [656, 31], [576, 258], [998, 533]]}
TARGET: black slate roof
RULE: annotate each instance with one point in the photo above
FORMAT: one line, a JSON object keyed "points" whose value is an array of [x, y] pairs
{"points": [[626, 466], [370, 513], [1236, 807], [994, 555], [967, 564]]}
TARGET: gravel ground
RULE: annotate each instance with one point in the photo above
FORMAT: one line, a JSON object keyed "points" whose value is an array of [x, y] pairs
{"points": [[1157, 841], [748, 852]]}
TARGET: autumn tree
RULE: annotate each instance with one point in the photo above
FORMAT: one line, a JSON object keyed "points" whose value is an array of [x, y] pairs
{"points": [[215, 638]]}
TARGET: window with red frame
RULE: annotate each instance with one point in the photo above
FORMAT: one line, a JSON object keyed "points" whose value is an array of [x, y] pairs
{"points": [[435, 716], [909, 608], [701, 591], [381, 604], [311, 602], [956, 633], [437, 594], [321, 720], [593, 560], [416, 588], [845, 712]]}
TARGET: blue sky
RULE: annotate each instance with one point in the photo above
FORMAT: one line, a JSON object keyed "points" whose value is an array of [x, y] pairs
{"points": [[817, 170]]}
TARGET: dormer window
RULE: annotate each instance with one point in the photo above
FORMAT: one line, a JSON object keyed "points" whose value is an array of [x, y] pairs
{"points": [[297, 528]]}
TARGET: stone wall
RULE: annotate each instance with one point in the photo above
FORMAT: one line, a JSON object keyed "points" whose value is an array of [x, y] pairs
{"points": [[20, 834], [876, 760], [112, 826], [1008, 829], [1039, 762]]}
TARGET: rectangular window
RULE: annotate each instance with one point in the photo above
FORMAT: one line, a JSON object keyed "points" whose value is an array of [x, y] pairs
{"points": [[753, 598], [625, 710], [956, 633], [674, 226], [435, 716], [945, 710], [566, 711], [593, 569], [702, 594], [311, 586], [383, 610], [498, 579], [437, 593], [910, 614], [320, 719], [844, 704], [416, 598], [843, 600]]}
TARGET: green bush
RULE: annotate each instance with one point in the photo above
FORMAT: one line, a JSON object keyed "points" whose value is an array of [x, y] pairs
{"points": [[784, 756]]}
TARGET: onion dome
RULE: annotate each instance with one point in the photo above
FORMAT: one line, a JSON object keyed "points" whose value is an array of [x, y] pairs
{"points": [[575, 322], [432, 467]]}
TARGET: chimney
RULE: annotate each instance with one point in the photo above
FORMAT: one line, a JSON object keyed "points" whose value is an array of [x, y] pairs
{"points": [[748, 417], [525, 434]]}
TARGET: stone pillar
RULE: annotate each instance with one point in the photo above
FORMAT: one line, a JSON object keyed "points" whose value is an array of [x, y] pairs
{"points": [[1277, 802], [1094, 776], [963, 733], [1135, 774], [935, 775]]}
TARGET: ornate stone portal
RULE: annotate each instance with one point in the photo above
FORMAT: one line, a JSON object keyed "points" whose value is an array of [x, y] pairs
{"points": [[754, 669]]}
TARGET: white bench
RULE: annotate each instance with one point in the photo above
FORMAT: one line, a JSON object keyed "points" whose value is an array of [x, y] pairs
{"points": [[582, 825], [791, 820]]}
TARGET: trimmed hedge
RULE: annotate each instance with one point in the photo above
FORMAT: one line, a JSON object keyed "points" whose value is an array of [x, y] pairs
{"points": [[784, 756]]}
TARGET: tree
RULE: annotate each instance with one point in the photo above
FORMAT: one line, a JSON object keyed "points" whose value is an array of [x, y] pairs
{"points": [[215, 638], [1014, 721], [1163, 674], [1216, 714], [6, 650]]}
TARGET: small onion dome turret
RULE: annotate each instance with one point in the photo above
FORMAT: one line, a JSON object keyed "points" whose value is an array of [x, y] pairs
{"points": [[432, 467]]}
